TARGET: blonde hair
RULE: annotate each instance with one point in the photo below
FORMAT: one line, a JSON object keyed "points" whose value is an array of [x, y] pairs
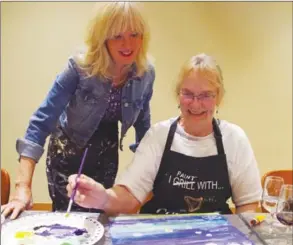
{"points": [[111, 19], [207, 68]]}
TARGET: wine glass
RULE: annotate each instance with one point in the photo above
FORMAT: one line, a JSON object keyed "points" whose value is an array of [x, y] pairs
{"points": [[270, 195], [271, 192], [284, 211]]}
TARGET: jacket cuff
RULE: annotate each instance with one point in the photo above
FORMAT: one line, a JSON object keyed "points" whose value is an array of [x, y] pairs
{"points": [[133, 147], [29, 149]]}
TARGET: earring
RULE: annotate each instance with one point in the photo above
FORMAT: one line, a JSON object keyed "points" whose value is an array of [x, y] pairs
{"points": [[178, 106], [217, 112]]}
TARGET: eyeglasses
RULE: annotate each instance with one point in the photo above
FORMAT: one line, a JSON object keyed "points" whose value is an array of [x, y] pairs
{"points": [[203, 97]]}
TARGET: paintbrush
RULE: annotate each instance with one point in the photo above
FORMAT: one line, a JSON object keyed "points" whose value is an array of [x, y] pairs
{"points": [[76, 186]]}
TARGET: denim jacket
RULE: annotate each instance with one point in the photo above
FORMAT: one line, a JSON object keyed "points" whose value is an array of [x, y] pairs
{"points": [[77, 104]]}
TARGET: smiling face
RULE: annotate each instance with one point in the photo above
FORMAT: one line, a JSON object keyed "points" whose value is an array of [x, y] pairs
{"points": [[199, 91], [197, 98], [124, 48]]}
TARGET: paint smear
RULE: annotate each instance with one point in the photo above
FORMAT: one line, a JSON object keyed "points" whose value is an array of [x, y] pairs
{"points": [[58, 231], [65, 234], [23, 234]]}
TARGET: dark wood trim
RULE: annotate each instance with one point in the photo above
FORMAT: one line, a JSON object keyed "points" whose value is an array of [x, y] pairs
{"points": [[42, 206]]}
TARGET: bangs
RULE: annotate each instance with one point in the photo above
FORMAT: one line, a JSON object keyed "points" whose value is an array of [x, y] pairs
{"points": [[206, 68], [210, 75], [204, 71], [125, 19]]}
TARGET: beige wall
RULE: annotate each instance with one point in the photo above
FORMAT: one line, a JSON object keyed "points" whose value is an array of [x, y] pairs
{"points": [[251, 41]]}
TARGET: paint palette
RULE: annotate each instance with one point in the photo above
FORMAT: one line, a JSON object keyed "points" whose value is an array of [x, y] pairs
{"points": [[52, 228]]}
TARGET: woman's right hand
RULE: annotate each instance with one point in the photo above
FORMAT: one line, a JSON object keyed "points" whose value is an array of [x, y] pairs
{"points": [[21, 200], [89, 194]]}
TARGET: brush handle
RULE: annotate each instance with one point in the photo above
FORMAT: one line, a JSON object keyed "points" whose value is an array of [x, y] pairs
{"points": [[74, 190], [69, 206], [78, 175]]}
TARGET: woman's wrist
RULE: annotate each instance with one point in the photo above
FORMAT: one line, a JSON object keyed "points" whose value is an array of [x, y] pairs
{"points": [[23, 184], [105, 204]]}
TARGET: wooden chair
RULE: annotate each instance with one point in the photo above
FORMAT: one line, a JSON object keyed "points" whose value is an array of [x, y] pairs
{"points": [[5, 186], [136, 209], [287, 175]]}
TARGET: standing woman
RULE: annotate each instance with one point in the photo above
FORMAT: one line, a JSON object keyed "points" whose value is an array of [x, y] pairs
{"points": [[111, 82]]}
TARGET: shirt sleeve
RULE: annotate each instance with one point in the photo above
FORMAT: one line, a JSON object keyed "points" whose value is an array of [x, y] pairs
{"points": [[140, 174], [246, 183]]}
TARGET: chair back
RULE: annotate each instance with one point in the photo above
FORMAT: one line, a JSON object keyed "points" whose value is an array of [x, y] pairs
{"points": [[287, 175], [5, 186]]}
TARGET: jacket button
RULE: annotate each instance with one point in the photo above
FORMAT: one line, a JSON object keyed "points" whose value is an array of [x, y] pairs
{"points": [[126, 104]]}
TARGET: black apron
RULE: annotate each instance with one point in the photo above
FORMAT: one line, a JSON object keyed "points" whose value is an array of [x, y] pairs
{"points": [[186, 184]]}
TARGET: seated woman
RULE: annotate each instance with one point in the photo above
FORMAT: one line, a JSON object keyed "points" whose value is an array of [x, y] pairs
{"points": [[193, 163]]}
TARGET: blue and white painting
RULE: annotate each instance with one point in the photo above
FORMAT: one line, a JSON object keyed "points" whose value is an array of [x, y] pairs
{"points": [[178, 229]]}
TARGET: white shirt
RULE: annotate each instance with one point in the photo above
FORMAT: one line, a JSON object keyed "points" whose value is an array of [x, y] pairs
{"points": [[244, 176]]}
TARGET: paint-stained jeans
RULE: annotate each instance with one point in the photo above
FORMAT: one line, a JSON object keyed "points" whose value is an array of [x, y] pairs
{"points": [[64, 159]]}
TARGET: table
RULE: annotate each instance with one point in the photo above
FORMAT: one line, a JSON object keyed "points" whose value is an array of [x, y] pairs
{"points": [[277, 235], [241, 222]]}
